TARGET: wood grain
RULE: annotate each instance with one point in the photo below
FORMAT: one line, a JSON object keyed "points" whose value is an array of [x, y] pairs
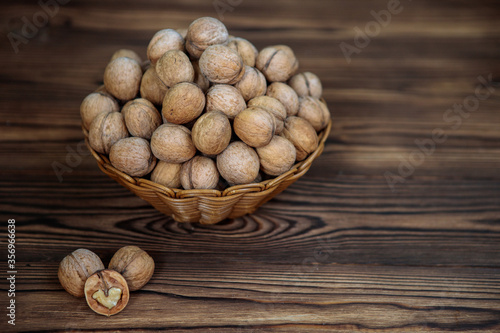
{"points": [[339, 251]]}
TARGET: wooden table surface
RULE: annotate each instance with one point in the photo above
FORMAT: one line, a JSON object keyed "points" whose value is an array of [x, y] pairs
{"points": [[395, 228]]}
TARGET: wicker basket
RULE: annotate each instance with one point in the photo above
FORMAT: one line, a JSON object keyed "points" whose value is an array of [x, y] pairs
{"points": [[209, 206]]}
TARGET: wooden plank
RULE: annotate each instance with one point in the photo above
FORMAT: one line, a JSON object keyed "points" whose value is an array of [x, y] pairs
{"points": [[340, 250]]}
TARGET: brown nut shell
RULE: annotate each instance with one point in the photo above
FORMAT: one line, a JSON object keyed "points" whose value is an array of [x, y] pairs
{"points": [[141, 118], [200, 172], [278, 63], [238, 163], [273, 106], [172, 143], [100, 287], [212, 133], [126, 53], [306, 84], [200, 79], [105, 130], [247, 51], [95, 104], [220, 64], [255, 126], [122, 78], [174, 67], [152, 88], [75, 268], [303, 136], [286, 95], [252, 84], [314, 111], [183, 103], [225, 98], [132, 156], [277, 157], [162, 42], [204, 32], [134, 264], [167, 174]]}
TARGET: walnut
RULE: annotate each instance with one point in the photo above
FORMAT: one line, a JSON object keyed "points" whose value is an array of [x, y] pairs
{"points": [[105, 130], [95, 104], [212, 132], [132, 156], [273, 106], [278, 63], [183, 103], [314, 111], [225, 98], [141, 117], [255, 126], [277, 157], [122, 78], [238, 163], [172, 143], [220, 64], [134, 264], [252, 84], [152, 88], [204, 32], [303, 136], [174, 67], [199, 173], [286, 95], [163, 41], [306, 84], [245, 49], [167, 174], [75, 268], [107, 292]]}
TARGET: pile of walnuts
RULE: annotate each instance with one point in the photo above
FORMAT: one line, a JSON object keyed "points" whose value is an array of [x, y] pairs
{"points": [[107, 291], [213, 111]]}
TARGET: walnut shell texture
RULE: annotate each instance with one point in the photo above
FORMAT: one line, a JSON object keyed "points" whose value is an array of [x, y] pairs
{"points": [[204, 32], [141, 117], [134, 264], [303, 136], [75, 268], [277, 157], [172, 143], [225, 98], [132, 156], [163, 41], [95, 104], [126, 53], [286, 95], [212, 133], [278, 63], [306, 84], [245, 49], [122, 78], [273, 106], [238, 163], [105, 130], [220, 64], [314, 111], [167, 174], [252, 84], [183, 103], [200, 172], [152, 88], [174, 67], [255, 126]]}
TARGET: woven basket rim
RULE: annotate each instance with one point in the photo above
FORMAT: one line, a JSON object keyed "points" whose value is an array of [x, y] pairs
{"points": [[299, 168]]}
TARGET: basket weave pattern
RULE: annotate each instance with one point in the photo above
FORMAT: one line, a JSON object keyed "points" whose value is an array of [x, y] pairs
{"points": [[209, 206]]}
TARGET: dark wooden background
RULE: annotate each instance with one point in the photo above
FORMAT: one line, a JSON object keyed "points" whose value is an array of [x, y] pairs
{"points": [[339, 250]]}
